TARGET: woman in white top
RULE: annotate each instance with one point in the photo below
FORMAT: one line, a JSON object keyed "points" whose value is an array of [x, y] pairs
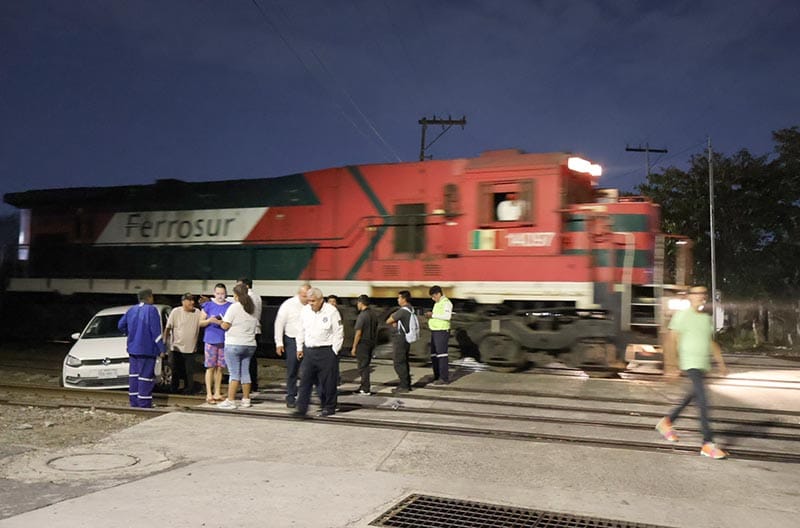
{"points": [[240, 325]]}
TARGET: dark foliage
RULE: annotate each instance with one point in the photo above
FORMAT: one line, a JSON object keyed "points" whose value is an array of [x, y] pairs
{"points": [[756, 217]]}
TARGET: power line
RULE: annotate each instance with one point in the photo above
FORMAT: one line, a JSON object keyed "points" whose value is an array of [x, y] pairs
{"points": [[647, 150], [352, 102], [696, 144], [322, 85]]}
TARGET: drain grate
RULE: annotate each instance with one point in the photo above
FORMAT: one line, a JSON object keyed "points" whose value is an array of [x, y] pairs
{"points": [[426, 511]]}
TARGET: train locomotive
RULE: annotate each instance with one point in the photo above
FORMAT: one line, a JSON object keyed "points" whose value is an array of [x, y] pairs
{"points": [[536, 257]]}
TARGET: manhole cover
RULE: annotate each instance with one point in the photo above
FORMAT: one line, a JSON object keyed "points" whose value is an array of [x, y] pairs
{"points": [[425, 511], [92, 462]]}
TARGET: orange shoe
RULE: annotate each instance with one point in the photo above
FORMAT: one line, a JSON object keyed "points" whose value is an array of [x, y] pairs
{"points": [[711, 450], [664, 426]]}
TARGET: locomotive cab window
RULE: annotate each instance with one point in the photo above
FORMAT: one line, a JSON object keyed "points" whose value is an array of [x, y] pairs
{"points": [[409, 228], [506, 203]]}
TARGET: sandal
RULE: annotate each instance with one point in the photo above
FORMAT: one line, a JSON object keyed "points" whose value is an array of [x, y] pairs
{"points": [[211, 400], [219, 398]]}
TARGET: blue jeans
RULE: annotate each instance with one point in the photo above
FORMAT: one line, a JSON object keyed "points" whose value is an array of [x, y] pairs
{"points": [[698, 393], [238, 357]]}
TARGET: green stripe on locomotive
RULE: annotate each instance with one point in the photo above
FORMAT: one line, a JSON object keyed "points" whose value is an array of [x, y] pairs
{"points": [[279, 262], [642, 258], [626, 223]]}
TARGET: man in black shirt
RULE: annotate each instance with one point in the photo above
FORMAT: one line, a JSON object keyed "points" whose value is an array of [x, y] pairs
{"points": [[401, 347], [364, 341]]}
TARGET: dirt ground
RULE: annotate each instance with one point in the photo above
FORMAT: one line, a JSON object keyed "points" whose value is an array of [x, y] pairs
{"points": [[25, 428]]}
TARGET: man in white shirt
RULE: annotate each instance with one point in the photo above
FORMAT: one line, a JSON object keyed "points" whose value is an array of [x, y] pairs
{"points": [[287, 328], [257, 314], [319, 341], [511, 209]]}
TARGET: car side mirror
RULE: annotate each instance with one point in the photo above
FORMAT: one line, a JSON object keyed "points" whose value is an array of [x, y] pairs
{"points": [[75, 336]]}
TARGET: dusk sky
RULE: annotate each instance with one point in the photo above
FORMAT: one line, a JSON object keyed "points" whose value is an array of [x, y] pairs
{"points": [[112, 92]]}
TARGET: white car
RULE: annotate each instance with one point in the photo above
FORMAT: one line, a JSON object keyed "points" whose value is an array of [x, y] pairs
{"points": [[99, 357]]}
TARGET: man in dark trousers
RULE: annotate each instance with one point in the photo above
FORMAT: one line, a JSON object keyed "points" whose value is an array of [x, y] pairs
{"points": [[319, 341], [364, 341], [142, 325], [692, 335], [401, 347], [181, 334], [287, 329], [439, 323]]}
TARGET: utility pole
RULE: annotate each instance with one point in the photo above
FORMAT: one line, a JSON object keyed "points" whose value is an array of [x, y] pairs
{"points": [[712, 237], [446, 125], [647, 150]]}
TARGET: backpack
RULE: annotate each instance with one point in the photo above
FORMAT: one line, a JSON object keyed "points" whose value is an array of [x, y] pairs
{"points": [[412, 334]]}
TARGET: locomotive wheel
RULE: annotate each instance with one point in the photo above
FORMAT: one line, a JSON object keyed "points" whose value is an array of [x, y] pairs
{"points": [[589, 352], [501, 352]]}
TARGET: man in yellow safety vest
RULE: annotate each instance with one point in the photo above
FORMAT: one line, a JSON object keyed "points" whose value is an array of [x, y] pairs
{"points": [[439, 324]]}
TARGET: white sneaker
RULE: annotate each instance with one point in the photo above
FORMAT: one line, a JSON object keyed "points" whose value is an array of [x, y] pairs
{"points": [[365, 393], [245, 403], [227, 404]]}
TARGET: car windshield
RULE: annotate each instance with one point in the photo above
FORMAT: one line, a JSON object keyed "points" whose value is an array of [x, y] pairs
{"points": [[103, 326]]}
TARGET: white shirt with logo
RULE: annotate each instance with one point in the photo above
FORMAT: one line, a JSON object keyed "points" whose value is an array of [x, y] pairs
{"points": [[322, 328]]}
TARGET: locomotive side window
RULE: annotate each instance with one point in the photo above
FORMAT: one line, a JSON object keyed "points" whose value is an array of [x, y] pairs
{"points": [[409, 228], [503, 203]]}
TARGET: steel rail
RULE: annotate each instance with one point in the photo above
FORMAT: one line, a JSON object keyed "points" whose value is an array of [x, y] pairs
{"points": [[605, 423], [26, 392], [180, 404], [536, 394], [589, 410], [503, 434]]}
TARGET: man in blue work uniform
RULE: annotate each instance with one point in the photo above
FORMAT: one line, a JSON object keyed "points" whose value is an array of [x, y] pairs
{"points": [[439, 323], [142, 325]]}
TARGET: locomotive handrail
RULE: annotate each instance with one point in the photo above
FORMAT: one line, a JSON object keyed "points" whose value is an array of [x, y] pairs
{"points": [[80, 253], [354, 228]]}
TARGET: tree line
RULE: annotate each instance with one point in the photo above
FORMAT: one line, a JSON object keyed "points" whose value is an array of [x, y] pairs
{"points": [[756, 217]]}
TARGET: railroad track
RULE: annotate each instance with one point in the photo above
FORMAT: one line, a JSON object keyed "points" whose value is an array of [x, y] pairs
{"points": [[26, 366], [395, 413]]}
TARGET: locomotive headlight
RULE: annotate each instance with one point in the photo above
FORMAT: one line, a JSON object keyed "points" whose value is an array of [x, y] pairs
{"points": [[72, 361], [582, 165]]}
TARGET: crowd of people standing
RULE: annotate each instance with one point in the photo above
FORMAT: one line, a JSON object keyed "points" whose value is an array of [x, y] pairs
{"points": [[308, 332]]}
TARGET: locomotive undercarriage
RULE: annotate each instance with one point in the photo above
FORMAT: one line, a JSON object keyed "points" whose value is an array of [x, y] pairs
{"points": [[507, 339]]}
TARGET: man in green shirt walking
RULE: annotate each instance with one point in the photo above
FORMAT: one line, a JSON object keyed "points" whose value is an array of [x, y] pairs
{"points": [[439, 324], [692, 335]]}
